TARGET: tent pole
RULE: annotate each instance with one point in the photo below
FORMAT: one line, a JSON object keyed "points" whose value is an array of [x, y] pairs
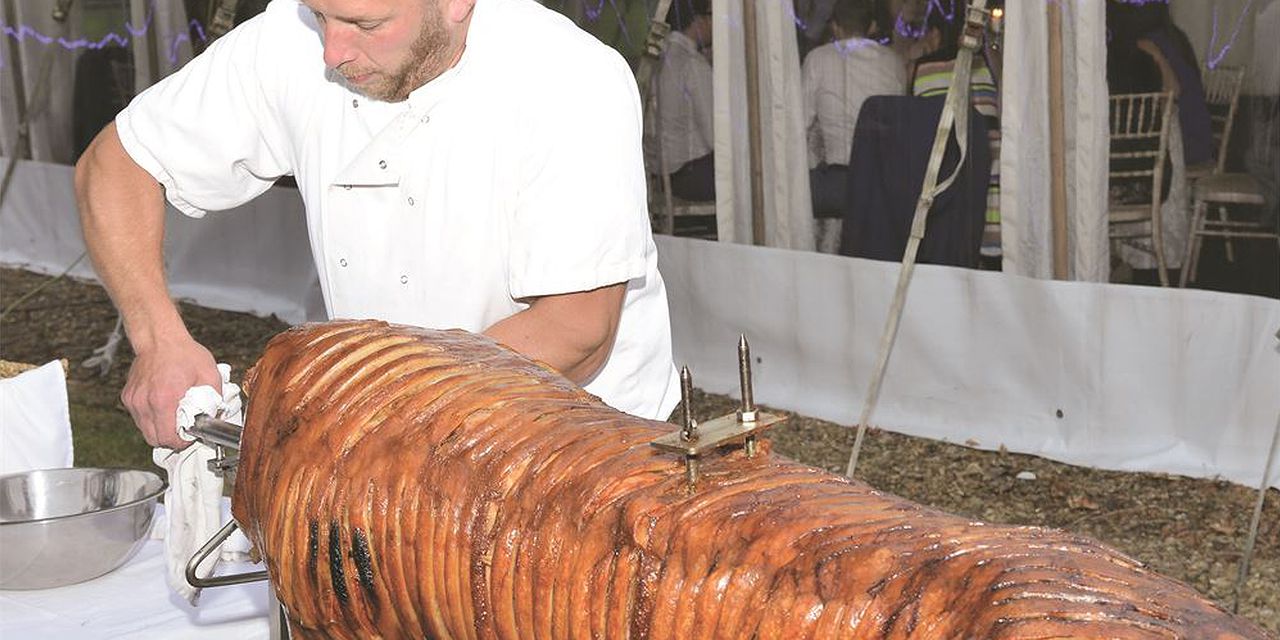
{"points": [[1247, 553], [1057, 143], [753, 122], [22, 147], [653, 45], [949, 123]]}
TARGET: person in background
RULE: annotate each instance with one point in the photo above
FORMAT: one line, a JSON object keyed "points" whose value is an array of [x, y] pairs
{"points": [[1146, 53], [1153, 54], [837, 78], [684, 102], [813, 17], [932, 77], [899, 25]]}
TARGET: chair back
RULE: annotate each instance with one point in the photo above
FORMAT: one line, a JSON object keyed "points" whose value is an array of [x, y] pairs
{"points": [[1222, 86], [1139, 144]]}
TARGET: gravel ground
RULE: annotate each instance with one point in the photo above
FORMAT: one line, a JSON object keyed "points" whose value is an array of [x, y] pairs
{"points": [[1190, 529]]}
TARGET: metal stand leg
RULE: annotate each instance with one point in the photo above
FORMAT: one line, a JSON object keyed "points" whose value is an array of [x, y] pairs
{"points": [[279, 622]]}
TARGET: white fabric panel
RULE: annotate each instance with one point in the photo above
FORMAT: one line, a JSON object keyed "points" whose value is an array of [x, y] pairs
{"points": [[35, 420], [255, 258], [50, 116], [134, 602], [1084, 25], [1147, 379], [1222, 32], [50, 120], [1026, 223], [171, 40], [1265, 66], [1025, 227], [787, 204]]}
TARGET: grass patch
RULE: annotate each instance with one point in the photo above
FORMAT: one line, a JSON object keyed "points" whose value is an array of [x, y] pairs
{"points": [[105, 437]]}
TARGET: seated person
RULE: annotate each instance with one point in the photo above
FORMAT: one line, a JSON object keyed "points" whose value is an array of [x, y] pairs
{"points": [[1153, 54], [932, 77], [684, 102], [837, 78]]}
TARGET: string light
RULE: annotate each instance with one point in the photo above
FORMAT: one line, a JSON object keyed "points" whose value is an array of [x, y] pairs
{"points": [[1212, 59], [22, 32]]}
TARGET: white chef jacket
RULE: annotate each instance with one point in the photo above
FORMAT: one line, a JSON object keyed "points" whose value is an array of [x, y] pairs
{"points": [[684, 102], [838, 77], [517, 173]]}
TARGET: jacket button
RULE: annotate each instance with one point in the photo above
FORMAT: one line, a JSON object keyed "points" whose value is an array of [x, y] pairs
{"points": [[411, 201], [342, 262], [382, 164], [404, 279], [355, 104]]}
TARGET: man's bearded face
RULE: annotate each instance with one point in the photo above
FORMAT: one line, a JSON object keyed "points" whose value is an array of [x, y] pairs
{"points": [[384, 49]]}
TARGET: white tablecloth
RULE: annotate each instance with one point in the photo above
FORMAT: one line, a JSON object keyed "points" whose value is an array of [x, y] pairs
{"points": [[134, 602]]}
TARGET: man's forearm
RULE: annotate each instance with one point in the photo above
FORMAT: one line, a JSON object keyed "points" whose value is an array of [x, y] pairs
{"points": [[122, 215], [573, 333]]}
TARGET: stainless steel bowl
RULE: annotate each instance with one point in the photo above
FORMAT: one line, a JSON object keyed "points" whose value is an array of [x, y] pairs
{"points": [[63, 526]]}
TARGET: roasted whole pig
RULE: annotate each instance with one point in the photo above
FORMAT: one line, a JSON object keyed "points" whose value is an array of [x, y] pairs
{"points": [[409, 483]]}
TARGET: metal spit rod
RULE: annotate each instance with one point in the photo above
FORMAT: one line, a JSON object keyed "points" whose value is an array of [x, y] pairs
{"points": [[212, 431]]}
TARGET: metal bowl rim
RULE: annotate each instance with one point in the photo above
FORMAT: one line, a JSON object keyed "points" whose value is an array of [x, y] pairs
{"points": [[127, 505]]}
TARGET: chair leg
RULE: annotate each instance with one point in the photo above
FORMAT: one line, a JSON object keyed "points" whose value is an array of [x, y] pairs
{"points": [[1192, 254], [1157, 243], [1195, 272], [1222, 217]]}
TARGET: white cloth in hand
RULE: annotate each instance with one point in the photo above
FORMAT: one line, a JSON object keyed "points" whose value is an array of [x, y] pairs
{"points": [[192, 500]]}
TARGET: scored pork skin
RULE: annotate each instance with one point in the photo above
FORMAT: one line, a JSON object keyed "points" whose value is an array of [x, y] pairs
{"points": [[404, 482]]}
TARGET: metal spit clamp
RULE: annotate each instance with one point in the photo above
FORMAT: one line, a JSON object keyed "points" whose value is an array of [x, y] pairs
{"points": [[693, 440], [221, 435]]}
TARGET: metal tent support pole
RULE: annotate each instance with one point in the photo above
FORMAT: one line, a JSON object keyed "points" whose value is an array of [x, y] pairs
{"points": [[1246, 555], [750, 42]]}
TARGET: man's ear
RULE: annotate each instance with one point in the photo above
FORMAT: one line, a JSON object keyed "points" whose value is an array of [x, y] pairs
{"points": [[457, 11]]}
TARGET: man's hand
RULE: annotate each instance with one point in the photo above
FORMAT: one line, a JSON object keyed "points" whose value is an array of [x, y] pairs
{"points": [[158, 379]]}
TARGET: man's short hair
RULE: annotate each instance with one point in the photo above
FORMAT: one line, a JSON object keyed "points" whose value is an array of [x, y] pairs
{"points": [[683, 12], [854, 17]]}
